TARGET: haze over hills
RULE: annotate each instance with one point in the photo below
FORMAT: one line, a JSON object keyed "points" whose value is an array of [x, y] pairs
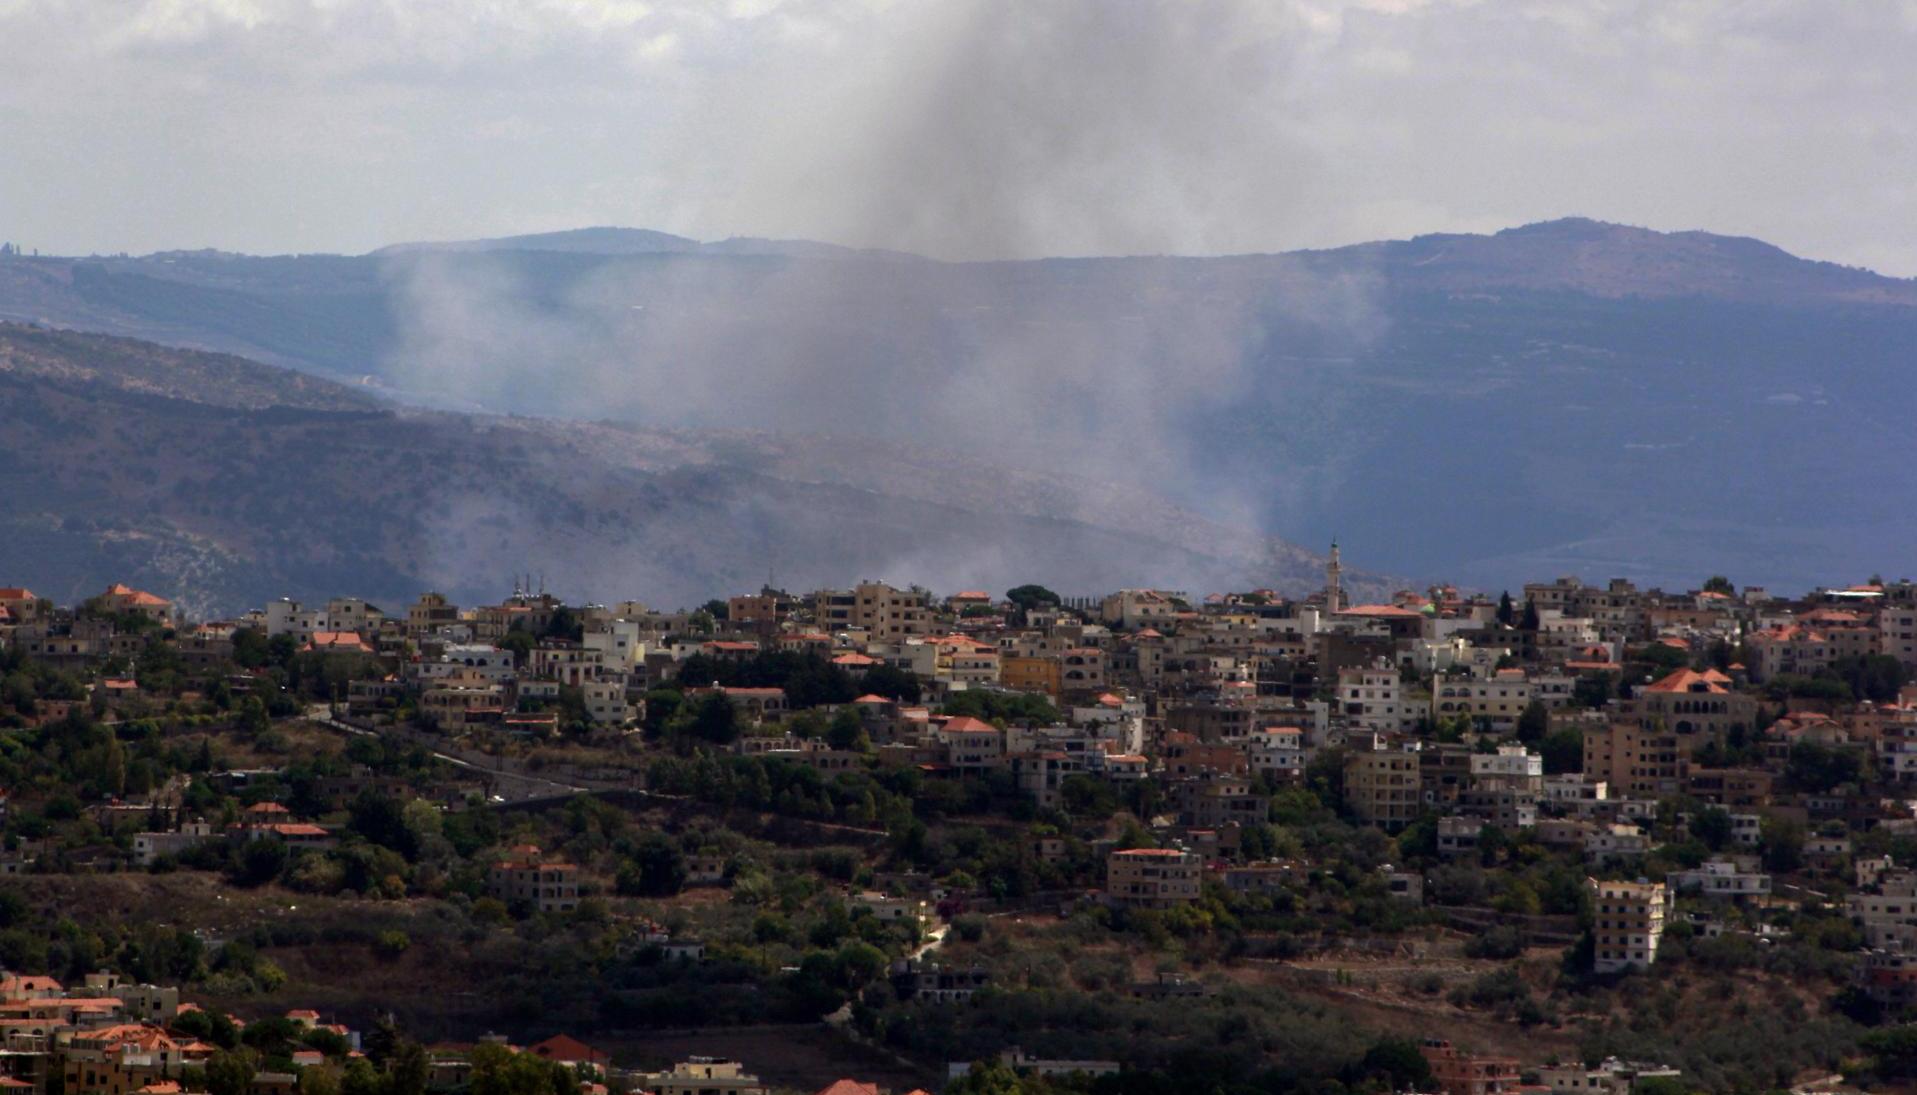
{"points": [[223, 483], [1564, 397]]}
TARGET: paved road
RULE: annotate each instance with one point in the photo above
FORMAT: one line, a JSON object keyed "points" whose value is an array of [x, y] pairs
{"points": [[509, 778]]}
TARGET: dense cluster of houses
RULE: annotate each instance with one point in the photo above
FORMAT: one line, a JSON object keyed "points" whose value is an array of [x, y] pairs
{"points": [[112, 1037], [1433, 708]]}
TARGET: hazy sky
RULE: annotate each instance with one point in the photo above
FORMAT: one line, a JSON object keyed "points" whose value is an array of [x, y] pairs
{"points": [[968, 128]]}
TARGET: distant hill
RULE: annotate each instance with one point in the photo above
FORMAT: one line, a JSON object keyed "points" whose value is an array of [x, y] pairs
{"points": [[1565, 397], [590, 241], [638, 241], [223, 483], [1618, 261]]}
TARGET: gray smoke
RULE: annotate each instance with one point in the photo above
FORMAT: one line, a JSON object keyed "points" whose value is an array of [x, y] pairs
{"points": [[982, 129]]}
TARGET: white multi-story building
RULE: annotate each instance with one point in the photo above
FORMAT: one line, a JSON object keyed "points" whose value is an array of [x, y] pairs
{"points": [[1723, 878], [1372, 698], [1512, 767]]}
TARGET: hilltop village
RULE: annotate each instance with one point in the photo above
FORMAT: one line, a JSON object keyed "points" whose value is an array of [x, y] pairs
{"points": [[1570, 837]]}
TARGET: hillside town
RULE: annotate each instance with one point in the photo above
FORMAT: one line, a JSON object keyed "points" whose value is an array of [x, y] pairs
{"points": [[888, 813]]}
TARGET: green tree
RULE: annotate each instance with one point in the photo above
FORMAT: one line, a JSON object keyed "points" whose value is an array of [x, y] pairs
{"points": [[319, 1080], [1592, 690], [521, 644], [657, 868], [714, 719], [406, 1069], [1399, 1062], [1712, 825], [1563, 752], [260, 860], [230, 1072], [1533, 724], [988, 1078], [847, 731], [1030, 596]]}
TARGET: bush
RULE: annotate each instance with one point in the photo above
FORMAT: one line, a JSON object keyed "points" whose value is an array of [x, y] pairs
{"points": [[1503, 942], [391, 943]]}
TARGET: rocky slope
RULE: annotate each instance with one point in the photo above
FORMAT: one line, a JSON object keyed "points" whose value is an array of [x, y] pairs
{"points": [[222, 483]]}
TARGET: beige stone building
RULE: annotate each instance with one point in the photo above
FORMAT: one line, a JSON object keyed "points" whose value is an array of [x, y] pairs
{"points": [[1152, 878], [1628, 922], [1383, 786], [880, 610]]}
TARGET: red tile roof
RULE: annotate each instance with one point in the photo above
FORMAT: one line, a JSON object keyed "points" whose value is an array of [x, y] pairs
{"points": [[1685, 680], [567, 1049]]}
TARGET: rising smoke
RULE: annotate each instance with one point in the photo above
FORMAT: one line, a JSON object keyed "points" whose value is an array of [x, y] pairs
{"points": [[972, 131]]}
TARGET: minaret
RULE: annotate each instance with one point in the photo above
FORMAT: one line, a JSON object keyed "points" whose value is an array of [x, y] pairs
{"points": [[1334, 592]]}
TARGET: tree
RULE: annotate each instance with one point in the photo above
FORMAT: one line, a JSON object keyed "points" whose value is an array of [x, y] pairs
{"points": [[1592, 690], [1400, 1063], [230, 1072], [253, 717], [1031, 596], [893, 683], [1895, 1051], [1507, 611], [1530, 621], [847, 731], [1563, 752], [1783, 842], [713, 719], [657, 868], [319, 1080], [1875, 677], [380, 819], [1717, 583], [565, 624], [1819, 768], [521, 643], [1533, 724], [497, 1070], [260, 861], [1712, 825], [406, 1069], [988, 1078], [360, 1078]]}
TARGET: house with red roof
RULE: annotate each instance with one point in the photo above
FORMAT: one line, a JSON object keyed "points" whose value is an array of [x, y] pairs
{"points": [[971, 744], [338, 642], [1687, 703], [20, 604], [568, 1050], [124, 600]]}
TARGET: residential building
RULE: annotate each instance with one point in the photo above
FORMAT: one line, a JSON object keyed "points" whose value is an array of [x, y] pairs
{"points": [[1627, 924], [1152, 878], [1383, 785]]}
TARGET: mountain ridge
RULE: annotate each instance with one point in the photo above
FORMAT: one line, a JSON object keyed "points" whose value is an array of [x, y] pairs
{"points": [[192, 480], [1556, 396]]}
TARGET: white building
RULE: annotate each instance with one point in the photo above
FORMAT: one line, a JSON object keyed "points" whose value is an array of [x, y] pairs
{"points": [[1372, 698], [1723, 878]]}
